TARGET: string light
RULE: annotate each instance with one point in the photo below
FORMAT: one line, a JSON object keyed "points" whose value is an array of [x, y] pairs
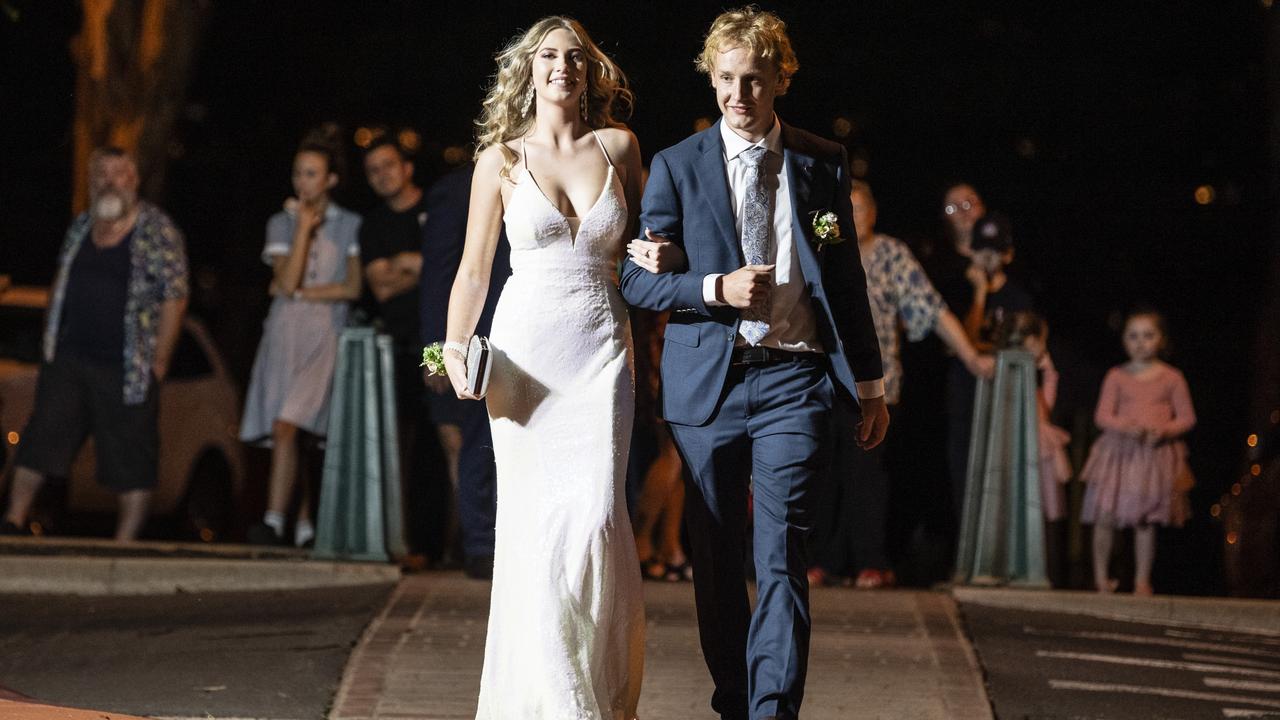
{"points": [[1204, 194], [1255, 470], [1252, 441]]}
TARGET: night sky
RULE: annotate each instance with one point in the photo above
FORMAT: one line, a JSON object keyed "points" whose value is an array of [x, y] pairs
{"points": [[1090, 124]]}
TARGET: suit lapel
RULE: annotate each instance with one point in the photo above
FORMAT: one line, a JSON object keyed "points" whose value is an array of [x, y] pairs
{"points": [[715, 183], [799, 169]]}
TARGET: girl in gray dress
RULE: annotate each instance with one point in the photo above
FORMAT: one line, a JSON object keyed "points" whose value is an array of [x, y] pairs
{"points": [[315, 259]]}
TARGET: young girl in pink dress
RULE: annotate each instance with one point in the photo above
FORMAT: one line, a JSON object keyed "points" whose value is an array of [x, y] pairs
{"points": [[1135, 470]]}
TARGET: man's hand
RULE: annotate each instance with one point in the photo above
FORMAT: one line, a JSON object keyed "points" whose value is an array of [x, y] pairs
{"points": [[746, 287], [874, 424]]}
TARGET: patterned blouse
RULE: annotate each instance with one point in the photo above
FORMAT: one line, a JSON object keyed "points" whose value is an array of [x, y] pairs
{"points": [[898, 288], [159, 273]]}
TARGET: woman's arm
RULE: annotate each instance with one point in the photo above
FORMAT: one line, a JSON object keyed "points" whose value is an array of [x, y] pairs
{"points": [[471, 285], [628, 151], [345, 291], [953, 335], [288, 269]]}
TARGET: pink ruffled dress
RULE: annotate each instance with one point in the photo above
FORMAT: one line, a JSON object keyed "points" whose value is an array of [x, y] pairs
{"points": [[1131, 481]]}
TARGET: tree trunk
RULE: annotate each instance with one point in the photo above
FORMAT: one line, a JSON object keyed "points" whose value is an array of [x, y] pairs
{"points": [[134, 58]]}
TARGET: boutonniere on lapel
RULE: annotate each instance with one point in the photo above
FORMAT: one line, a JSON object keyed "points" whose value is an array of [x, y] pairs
{"points": [[826, 229]]}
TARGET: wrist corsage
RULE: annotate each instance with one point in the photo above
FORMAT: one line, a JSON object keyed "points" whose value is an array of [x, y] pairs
{"points": [[433, 359]]}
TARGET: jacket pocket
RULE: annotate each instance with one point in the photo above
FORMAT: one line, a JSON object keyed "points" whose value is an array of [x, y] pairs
{"points": [[682, 334]]}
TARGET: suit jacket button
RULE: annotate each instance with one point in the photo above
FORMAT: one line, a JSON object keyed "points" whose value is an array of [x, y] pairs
{"points": [[729, 337]]}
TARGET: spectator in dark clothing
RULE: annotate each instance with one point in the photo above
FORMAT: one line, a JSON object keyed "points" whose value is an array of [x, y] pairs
{"points": [[994, 296], [391, 254], [463, 427], [115, 311]]}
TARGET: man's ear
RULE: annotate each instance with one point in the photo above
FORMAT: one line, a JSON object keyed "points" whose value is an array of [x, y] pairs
{"points": [[784, 84], [1007, 257], [331, 182], [410, 164]]}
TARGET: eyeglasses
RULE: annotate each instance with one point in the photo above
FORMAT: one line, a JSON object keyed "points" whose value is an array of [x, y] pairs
{"points": [[953, 208]]}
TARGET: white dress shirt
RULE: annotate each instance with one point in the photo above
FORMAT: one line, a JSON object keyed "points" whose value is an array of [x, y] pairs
{"points": [[792, 325]]}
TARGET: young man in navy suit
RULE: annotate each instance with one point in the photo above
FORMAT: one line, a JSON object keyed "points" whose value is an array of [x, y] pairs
{"points": [[770, 324]]}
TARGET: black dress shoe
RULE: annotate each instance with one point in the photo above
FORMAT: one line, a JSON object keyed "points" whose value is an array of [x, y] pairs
{"points": [[479, 567]]}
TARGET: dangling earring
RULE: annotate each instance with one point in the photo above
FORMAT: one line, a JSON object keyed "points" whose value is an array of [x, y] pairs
{"points": [[582, 104], [528, 101]]}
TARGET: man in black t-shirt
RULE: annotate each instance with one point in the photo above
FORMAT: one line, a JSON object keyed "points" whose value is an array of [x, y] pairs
{"points": [[391, 253]]}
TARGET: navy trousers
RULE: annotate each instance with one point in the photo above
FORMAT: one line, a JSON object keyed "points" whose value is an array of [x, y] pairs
{"points": [[768, 430]]}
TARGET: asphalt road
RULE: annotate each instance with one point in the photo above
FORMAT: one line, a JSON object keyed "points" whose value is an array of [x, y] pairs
{"points": [[273, 655], [1047, 666]]}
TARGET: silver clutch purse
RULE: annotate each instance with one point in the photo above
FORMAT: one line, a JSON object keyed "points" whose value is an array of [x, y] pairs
{"points": [[479, 364]]}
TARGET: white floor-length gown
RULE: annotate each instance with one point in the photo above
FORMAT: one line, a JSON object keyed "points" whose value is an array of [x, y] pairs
{"points": [[566, 619]]}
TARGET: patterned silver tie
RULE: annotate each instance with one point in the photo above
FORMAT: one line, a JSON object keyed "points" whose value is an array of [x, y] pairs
{"points": [[757, 220]]}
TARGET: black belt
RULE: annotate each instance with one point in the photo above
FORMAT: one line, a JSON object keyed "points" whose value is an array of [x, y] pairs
{"points": [[760, 355]]}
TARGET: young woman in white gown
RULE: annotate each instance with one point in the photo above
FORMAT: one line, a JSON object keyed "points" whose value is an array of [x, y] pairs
{"points": [[566, 621]]}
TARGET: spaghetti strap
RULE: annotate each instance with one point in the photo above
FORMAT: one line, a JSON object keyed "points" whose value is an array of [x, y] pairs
{"points": [[602, 149]]}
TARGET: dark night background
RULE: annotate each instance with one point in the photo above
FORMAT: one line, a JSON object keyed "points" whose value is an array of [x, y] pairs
{"points": [[1090, 124]]}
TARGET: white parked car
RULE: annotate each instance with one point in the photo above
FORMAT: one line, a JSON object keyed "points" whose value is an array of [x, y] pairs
{"points": [[202, 470]]}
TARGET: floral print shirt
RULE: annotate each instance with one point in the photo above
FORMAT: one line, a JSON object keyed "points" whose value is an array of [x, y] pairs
{"points": [[898, 288], [158, 273]]}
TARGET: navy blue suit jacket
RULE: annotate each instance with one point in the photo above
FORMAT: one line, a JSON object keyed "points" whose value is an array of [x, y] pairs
{"points": [[443, 237], [687, 201]]}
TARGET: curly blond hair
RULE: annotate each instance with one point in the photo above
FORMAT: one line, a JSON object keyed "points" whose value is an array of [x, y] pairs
{"points": [[757, 31], [508, 112]]}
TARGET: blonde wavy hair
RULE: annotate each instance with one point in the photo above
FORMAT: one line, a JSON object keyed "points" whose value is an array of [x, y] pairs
{"points": [[508, 112], [757, 31]]}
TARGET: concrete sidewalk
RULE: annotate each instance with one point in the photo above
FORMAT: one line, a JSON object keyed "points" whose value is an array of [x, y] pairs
{"points": [[886, 655], [102, 567], [1226, 614]]}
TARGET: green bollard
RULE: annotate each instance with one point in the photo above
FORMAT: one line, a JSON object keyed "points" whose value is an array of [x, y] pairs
{"points": [[1001, 529], [359, 515]]}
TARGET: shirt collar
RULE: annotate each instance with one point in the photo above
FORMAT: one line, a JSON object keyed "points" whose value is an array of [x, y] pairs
{"points": [[735, 144]]}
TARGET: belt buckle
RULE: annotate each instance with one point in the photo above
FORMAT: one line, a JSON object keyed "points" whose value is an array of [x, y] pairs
{"points": [[753, 355]]}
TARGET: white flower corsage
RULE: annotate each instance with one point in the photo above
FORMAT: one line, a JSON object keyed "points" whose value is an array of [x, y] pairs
{"points": [[826, 228]]}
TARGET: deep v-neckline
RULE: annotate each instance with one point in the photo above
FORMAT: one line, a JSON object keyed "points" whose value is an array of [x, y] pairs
{"points": [[582, 219]]}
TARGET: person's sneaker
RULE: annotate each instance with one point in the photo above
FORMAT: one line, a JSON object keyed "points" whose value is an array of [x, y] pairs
{"points": [[263, 534], [479, 567], [9, 528]]}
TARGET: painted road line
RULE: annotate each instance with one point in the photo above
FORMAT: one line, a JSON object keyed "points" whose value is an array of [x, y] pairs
{"points": [[1162, 692], [1157, 663], [1150, 640], [1252, 685], [1222, 638], [1224, 660]]}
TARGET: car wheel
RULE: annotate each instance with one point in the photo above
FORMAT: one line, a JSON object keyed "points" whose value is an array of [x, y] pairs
{"points": [[207, 511]]}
